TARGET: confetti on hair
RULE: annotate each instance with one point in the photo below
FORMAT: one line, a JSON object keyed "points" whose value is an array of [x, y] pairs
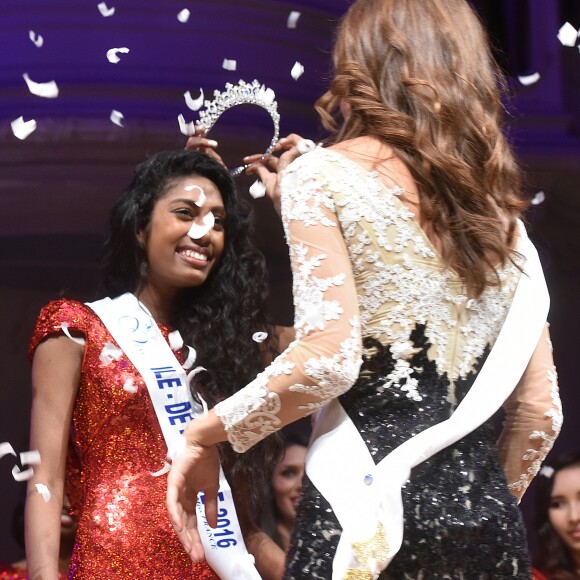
{"points": [[257, 189], [547, 471], [191, 356], [117, 118], [539, 198], [175, 340], [201, 198], [165, 469], [568, 35], [194, 104], [47, 90], [43, 491], [36, 39], [297, 71], [6, 449], [259, 336], [197, 231], [22, 475], [529, 79], [64, 328], [113, 52], [194, 372], [293, 19], [130, 387], [22, 128], [110, 353], [229, 64], [184, 15], [187, 129], [30, 457], [104, 10]]}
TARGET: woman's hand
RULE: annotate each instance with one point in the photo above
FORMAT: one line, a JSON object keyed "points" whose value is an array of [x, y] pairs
{"points": [[198, 142], [269, 169], [195, 468]]}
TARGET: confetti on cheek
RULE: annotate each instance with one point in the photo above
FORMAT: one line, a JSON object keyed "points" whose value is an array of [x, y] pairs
{"points": [[47, 90], [36, 39], [187, 129], [64, 328], [257, 189], [113, 52], [43, 491], [110, 353], [6, 449], [297, 71], [191, 356], [229, 64], [194, 104], [529, 79], [130, 387], [22, 128], [568, 35], [197, 231], [184, 15], [259, 336], [539, 198], [165, 469], [175, 340], [200, 201], [117, 118], [293, 19], [22, 475], [104, 10]]}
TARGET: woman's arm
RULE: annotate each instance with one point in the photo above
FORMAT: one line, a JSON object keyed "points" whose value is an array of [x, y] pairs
{"points": [[56, 372]]}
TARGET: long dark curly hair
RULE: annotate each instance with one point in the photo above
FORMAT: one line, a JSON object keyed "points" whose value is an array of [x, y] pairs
{"points": [[419, 76], [218, 317], [552, 557]]}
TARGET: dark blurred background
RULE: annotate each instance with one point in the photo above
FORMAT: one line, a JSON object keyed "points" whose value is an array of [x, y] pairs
{"points": [[56, 187]]}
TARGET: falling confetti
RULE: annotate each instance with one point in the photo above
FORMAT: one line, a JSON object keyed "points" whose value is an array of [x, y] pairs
{"points": [[36, 39], [194, 104], [229, 64], [257, 189], [64, 328], [186, 129], [200, 201], [117, 118], [104, 10], [197, 231], [194, 372], [6, 449], [47, 90], [112, 54], [293, 19], [191, 356], [568, 35], [529, 79], [22, 128], [297, 71], [539, 198], [30, 457], [43, 491], [184, 15], [22, 475], [259, 336], [175, 340]]}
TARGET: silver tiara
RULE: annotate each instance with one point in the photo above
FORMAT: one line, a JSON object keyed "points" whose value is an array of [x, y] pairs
{"points": [[243, 93]]}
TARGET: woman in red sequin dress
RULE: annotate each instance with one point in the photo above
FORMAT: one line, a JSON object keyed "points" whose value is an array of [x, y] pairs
{"points": [[92, 418]]}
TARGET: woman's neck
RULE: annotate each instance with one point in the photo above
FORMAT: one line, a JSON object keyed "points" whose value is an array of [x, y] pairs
{"points": [[159, 304]]}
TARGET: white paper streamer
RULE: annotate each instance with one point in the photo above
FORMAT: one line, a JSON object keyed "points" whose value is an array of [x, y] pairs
{"points": [[293, 19], [64, 328], [22, 128], [47, 90], [165, 469], [184, 15], [6, 449], [257, 189], [117, 118], [201, 198], [22, 475], [305, 146], [529, 79], [175, 340], [130, 387], [229, 64], [197, 231], [297, 71], [36, 39], [190, 376], [104, 10], [539, 198], [194, 104], [259, 336], [186, 129], [568, 35], [110, 353], [30, 457], [112, 54], [191, 356], [43, 491]]}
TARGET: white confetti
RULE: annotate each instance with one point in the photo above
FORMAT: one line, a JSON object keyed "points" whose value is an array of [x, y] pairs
{"points": [[529, 79], [297, 71], [568, 35], [293, 19], [257, 189], [6, 449], [47, 90], [22, 475], [539, 198], [197, 231], [30, 457], [201, 198], [36, 39], [305, 146], [229, 64], [130, 387], [175, 340], [117, 118], [184, 15], [194, 104], [194, 372], [43, 491], [165, 469], [22, 128], [259, 336], [64, 328], [112, 54], [191, 356], [104, 10], [186, 129], [547, 471], [110, 353]]}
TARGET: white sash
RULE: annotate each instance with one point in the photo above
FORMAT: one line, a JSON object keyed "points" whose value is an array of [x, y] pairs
{"points": [[365, 497], [135, 331]]}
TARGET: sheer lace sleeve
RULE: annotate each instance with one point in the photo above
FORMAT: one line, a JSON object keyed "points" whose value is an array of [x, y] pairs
{"points": [[533, 419], [324, 359]]}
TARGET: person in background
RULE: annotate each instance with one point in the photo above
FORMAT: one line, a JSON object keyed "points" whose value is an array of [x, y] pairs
{"points": [[557, 519]]}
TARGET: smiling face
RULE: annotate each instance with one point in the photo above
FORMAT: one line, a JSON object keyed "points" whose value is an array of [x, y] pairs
{"points": [[174, 259], [564, 512], [287, 482]]}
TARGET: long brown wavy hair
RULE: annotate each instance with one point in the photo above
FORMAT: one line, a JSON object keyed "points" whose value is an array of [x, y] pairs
{"points": [[419, 76]]}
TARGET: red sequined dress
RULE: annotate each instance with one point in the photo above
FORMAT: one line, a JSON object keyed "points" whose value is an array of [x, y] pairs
{"points": [[115, 445]]}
